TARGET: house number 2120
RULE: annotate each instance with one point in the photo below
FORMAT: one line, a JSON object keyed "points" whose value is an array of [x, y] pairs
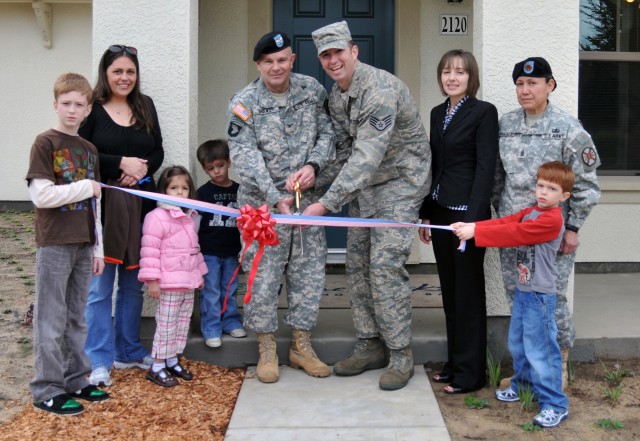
{"points": [[453, 24]]}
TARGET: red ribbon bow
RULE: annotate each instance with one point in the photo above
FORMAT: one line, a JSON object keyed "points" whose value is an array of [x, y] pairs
{"points": [[254, 224]]}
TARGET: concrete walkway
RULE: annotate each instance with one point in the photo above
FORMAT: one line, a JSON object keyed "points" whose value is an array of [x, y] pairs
{"points": [[299, 407]]}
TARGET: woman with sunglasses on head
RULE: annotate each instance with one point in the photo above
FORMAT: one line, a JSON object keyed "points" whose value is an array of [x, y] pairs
{"points": [[124, 127]]}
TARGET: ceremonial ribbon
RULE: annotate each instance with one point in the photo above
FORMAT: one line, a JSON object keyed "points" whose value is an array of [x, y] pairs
{"points": [[257, 224]]}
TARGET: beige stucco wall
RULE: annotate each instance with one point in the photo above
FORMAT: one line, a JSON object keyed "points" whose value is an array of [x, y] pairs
{"points": [[27, 75]]}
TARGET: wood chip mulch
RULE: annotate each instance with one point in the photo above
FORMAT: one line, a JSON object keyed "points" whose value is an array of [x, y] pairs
{"points": [[141, 410]]}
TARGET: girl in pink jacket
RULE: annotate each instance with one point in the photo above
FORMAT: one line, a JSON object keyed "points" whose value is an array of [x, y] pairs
{"points": [[172, 267]]}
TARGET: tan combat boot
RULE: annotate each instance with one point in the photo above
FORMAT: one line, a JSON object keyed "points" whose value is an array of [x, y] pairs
{"points": [[367, 354], [302, 355], [565, 368], [267, 369], [399, 371]]}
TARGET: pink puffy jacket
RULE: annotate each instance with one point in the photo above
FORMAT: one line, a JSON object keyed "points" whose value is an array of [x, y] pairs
{"points": [[170, 252]]}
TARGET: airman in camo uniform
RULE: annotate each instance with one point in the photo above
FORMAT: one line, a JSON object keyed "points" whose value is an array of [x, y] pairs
{"points": [[280, 134], [383, 169], [537, 133]]}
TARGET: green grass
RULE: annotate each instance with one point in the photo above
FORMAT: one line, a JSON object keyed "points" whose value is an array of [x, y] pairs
{"points": [[493, 370], [527, 403], [475, 403], [612, 395], [530, 427], [608, 424]]}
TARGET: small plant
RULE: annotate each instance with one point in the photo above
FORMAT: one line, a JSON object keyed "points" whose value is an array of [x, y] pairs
{"points": [[475, 403], [493, 370], [530, 427], [609, 424], [612, 395], [526, 398], [615, 376], [571, 371]]}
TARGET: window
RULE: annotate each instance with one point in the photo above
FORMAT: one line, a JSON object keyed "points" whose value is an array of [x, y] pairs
{"points": [[609, 92]]}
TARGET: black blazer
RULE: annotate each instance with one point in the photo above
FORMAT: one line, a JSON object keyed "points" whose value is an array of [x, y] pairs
{"points": [[464, 158]]}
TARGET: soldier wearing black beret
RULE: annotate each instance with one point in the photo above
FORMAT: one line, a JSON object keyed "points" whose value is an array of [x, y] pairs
{"points": [[270, 43], [536, 67]]}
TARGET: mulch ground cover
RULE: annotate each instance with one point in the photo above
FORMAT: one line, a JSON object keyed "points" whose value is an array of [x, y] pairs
{"points": [[141, 410]]}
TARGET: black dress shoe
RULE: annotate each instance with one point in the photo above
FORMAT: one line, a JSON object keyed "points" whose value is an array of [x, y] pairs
{"points": [[178, 371], [162, 378], [443, 378], [455, 389]]}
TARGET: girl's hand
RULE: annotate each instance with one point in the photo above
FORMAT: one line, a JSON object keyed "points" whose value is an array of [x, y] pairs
{"points": [[425, 233], [201, 284], [153, 289]]}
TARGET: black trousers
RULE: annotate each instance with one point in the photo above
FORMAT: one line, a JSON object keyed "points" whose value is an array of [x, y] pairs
{"points": [[463, 296]]}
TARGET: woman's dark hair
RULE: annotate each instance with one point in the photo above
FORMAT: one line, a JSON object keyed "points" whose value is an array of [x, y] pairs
{"points": [[172, 171], [468, 63], [140, 108]]}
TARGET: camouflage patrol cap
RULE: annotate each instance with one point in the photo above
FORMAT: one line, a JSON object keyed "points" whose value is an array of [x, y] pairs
{"points": [[271, 43], [333, 36], [535, 67]]}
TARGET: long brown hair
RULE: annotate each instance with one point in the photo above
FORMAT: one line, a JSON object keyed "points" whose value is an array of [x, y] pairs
{"points": [[139, 104]]}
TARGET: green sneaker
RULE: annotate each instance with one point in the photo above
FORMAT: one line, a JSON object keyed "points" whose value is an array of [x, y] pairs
{"points": [[61, 404], [90, 393]]}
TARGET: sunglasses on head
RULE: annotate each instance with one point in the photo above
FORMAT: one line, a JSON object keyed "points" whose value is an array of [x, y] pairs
{"points": [[122, 48]]}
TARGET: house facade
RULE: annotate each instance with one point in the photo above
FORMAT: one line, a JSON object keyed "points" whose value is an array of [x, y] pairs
{"points": [[194, 55]]}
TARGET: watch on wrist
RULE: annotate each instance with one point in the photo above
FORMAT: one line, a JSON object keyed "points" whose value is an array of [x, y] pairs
{"points": [[571, 228], [316, 167]]}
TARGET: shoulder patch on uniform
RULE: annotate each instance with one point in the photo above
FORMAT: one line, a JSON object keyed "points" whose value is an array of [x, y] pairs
{"points": [[380, 124], [589, 156], [234, 129], [241, 112]]}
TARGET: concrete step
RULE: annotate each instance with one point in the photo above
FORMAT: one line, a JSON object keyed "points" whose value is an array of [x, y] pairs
{"points": [[605, 314]]}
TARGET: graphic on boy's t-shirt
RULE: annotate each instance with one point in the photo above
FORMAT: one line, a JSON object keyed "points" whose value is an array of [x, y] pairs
{"points": [[525, 258], [219, 220], [71, 165]]}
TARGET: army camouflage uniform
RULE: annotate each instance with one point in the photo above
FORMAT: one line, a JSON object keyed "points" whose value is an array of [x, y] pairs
{"points": [[387, 175], [268, 143], [557, 136]]}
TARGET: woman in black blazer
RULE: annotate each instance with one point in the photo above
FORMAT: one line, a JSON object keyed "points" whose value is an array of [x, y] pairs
{"points": [[464, 145]]}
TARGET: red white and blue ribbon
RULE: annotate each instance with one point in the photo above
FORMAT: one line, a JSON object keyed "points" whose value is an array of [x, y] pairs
{"points": [[257, 225], [287, 219]]}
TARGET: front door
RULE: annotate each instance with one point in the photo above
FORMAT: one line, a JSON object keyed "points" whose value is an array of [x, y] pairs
{"points": [[371, 23]]}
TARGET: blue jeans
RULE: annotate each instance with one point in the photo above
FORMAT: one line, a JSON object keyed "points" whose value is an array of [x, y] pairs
{"points": [[118, 340], [537, 361], [221, 270]]}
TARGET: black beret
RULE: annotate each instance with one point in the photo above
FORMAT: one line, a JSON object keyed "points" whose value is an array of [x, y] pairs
{"points": [[272, 42], [536, 67]]}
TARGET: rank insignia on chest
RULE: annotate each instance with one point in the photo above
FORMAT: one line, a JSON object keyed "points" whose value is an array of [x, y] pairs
{"points": [[241, 112], [381, 123]]}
